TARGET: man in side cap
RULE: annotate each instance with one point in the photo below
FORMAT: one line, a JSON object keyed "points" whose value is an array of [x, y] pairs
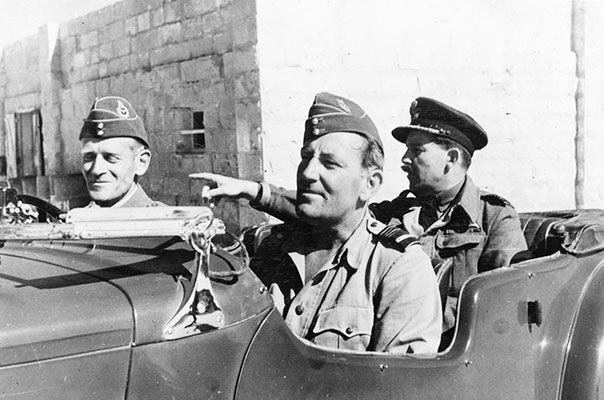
{"points": [[115, 153], [474, 231], [341, 278]]}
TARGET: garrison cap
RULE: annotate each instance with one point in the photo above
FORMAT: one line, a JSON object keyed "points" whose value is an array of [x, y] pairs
{"points": [[439, 119], [330, 113], [113, 116]]}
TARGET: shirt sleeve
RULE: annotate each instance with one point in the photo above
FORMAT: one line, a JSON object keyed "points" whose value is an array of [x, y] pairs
{"points": [[277, 201], [505, 239], [408, 316]]}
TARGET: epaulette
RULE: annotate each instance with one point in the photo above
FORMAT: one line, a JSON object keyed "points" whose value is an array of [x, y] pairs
{"points": [[494, 199], [392, 236]]}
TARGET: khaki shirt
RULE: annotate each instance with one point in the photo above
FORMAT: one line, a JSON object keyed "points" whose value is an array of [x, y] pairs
{"points": [[367, 297], [136, 197], [480, 232]]}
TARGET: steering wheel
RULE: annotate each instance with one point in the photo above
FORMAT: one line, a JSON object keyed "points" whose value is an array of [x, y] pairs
{"points": [[47, 212]]}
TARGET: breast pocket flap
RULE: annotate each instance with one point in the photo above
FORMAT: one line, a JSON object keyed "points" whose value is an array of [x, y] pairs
{"points": [[347, 321]]}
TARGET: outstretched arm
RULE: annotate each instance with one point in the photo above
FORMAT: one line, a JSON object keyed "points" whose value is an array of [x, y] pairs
{"points": [[229, 187], [278, 202]]}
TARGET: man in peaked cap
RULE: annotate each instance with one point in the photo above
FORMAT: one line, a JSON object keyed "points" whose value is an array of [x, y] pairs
{"points": [[474, 231], [341, 278], [115, 153]]}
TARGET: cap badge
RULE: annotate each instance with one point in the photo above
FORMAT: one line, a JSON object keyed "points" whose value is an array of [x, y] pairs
{"points": [[343, 105], [100, 133], [315, 121], [100, 125], [122, 110]]}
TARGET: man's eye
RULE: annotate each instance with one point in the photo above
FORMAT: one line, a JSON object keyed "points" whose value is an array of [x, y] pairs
{"points": [[329, 163], [112, 158], [87, 158]]}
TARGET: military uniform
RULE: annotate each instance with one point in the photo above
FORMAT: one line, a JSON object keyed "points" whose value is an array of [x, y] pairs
{"points": [[377, 293], [136, 197], [480, 232], [111, 117]]}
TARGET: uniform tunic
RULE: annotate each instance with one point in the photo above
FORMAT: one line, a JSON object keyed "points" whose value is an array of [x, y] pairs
{"points": [[368, 296], [136, 197], [479, 232]]}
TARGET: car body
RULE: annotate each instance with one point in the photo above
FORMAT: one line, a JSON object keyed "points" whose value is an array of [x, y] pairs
{"points": [[94, 308]]}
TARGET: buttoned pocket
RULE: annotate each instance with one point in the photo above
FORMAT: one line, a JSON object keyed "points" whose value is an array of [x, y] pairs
{"points": [[459, 241], [344, 327]]}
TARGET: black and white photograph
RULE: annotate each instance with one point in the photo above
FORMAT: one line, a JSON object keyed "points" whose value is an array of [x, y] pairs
{"points": [[302, 199]]}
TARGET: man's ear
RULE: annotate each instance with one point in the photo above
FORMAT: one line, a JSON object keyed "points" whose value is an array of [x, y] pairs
{"points": [[373, 183], [142, 161], [453, 155]]}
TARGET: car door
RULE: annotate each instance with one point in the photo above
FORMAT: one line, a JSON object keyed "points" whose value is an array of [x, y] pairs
{"points": [[64, 333]]}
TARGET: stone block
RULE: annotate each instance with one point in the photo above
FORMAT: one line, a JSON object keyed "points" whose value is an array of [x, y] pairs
{"points": [[169, 54], [121, 47], [77, 26], [131, 26], [239, 62], [89, 39], [157, 17], [92, 56], [90, 73], [245, 33], [143, 21], [199, 7], [103, 68], [117, 30], [145, 41], [171, 33], [172, 12], [247, 85], [134, 7], [250, 166], [224, 163], [106, 51], [79, 60], [140, 61], [118, 65], [168, 75], [199, 69], [101, 87], [242, 10], [211, 22], [200, 47], [222, 42], [192, 28]]}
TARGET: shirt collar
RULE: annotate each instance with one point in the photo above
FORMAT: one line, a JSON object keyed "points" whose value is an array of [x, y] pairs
{"points": [[349, 254], [352, 251], [469, 200], [133, 189]]}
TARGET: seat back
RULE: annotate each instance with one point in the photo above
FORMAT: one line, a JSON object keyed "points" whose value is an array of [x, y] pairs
{"points": [[253, 236], [541, 235]]}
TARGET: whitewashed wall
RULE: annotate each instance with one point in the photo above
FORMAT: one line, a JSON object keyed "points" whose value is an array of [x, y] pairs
{"points": [[507, 63]]}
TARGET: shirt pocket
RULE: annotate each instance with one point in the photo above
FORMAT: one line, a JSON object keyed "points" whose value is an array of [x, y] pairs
{"points": [[344, 327], [459, 241]]}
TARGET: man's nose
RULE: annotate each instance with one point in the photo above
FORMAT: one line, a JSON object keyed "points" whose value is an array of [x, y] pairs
{"points": [[309, 170], [98, 166], [406, 157]]}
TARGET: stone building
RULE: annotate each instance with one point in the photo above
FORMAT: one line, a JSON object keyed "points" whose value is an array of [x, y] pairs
{"points": [[224, 86]]}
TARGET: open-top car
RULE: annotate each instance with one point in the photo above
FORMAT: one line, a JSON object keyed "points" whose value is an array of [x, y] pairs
{"points": [[160, 303]]}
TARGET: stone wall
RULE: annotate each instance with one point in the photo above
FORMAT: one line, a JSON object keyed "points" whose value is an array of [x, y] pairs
{"points": [[169, 58], [253, 68], [508, 64]]}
